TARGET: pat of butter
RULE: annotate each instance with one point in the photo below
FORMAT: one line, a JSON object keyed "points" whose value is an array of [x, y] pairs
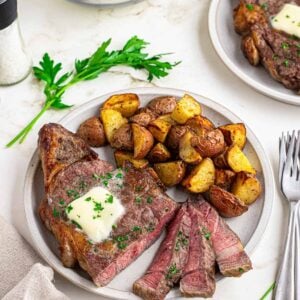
{"points": [[95, 213], [288, 20]]}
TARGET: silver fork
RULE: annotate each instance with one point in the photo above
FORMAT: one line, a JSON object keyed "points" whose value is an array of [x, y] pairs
{"points": [[288, 278]]}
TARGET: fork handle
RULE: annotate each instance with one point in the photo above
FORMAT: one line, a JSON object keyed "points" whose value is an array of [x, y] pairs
{"points": [[288, 278]]}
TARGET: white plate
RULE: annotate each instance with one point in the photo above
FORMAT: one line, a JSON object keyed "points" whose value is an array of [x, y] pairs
{"points": [[227, 44], [107, 3], [249, 226]]}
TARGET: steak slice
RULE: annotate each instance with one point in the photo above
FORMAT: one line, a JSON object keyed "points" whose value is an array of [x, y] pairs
{"points": [[169, 261], [60, 148], [230, 255], [198, 278]]}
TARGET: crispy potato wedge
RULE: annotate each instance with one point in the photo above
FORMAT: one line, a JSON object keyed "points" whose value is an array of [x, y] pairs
{"points": [[234, 134], [201, 178], [238, 161], [226, 203], [92, 131], [123, 138], [210, 143], [186, 108], [122, 156], [170, 173], [160, 129], [142, 141], [199, 123], [224, 178], [186, 152], [112, 120], [175, 135], [246, 187], [126, 104], [159, 153], [143, 117], [220, 161], [162, 105]]}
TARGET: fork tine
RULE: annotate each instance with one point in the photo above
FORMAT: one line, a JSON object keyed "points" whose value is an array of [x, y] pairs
{"points": [[289, 157], [296, 157], [282, 155]]}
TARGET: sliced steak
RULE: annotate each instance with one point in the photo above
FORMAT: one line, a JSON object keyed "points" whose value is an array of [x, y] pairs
{"points": [[198, 278], [230, 255], [167, 266]]}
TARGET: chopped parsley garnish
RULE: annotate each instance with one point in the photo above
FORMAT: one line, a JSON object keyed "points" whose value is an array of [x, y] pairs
{"points": [[109, 199], [149, 200], [119, 175], [269, 290], [105, 182], [286, 62], [62, 202], [138, 200], [206, 233], [76, 224], [264, 6], [150, 228], [55, 213], [90, 242], [285, 46], [241, 270], [182, 241], [136, 228], [88, 199], [121, 241], [138, 188], [69, 208], [95, 176], [98, 206], [287, 16], [172, 271], [108, 176], [114, 226], [72, 193], [250, 6], [82, 185]]}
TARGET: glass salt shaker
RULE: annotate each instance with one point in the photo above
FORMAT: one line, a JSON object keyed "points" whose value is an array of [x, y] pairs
{"points": [[15, 63]]}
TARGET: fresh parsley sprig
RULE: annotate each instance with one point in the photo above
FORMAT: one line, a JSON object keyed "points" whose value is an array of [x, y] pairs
{"points": [[100, 61]]}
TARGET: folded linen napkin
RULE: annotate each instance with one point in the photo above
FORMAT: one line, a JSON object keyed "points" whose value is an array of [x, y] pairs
{"points": [[23, 275]]}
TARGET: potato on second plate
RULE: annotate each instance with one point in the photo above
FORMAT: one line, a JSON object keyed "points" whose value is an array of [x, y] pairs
{"points": [[159, 153], [112, 120], [234, 134], [170, 173], [126, 104], [122, 138], [142, 141], [162, 105], [186, 152], [224, 178], [160, 128], [246, 187], [122, 156], [199, 123], [186, 108], [201, 178]]}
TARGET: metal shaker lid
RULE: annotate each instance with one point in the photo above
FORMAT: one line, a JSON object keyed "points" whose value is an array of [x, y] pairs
{"points": [[8, 12]]}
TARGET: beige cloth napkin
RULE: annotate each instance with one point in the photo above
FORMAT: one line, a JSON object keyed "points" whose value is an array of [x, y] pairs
{"points": [[23, 275]]}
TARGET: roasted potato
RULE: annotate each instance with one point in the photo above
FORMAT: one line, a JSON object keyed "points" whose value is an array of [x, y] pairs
{"points": [[126, 104], [199, 123], [162, 105], [112, 120], [160, 129], [201, 178], [92, 132], [246, 187], [170, 173], [159, 153], [224, 178], [121, 157], [220, 161], [234, 134], [210, 143], [238, 161], [122, 138], [144, 117], [250, 51], [175, 135], [142, 141], [226, 203], [187, 152], [186, 108]]}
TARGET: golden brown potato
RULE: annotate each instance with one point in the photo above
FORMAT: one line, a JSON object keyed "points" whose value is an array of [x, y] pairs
{"points": [[121, 157], [238, 161], [186, 108], [224, 178], [112, 120], [142, 141], [187, 152], [175, 135], [201, 178], [246, 187], [92, 132], [210, 143], [234, 134], [162, 105], [170, 173], [143, 117], [122, 138], [199, 123], [160, 129], [226, 203], [159, 153], [220, 161], [250, 51], [126, 104]]}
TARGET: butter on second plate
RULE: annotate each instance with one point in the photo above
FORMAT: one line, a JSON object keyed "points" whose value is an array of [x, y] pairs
{"points": [[288, 20], [95, 213]]}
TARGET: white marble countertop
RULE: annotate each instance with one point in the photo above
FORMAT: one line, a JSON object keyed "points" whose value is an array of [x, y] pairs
{"points": [[67, 31]]}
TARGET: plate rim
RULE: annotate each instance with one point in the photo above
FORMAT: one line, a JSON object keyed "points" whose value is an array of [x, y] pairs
{"points": [[255, 84], [44, 250]]}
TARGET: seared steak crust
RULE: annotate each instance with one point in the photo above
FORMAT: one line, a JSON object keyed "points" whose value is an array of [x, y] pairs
{"points": [[278, 52]]}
